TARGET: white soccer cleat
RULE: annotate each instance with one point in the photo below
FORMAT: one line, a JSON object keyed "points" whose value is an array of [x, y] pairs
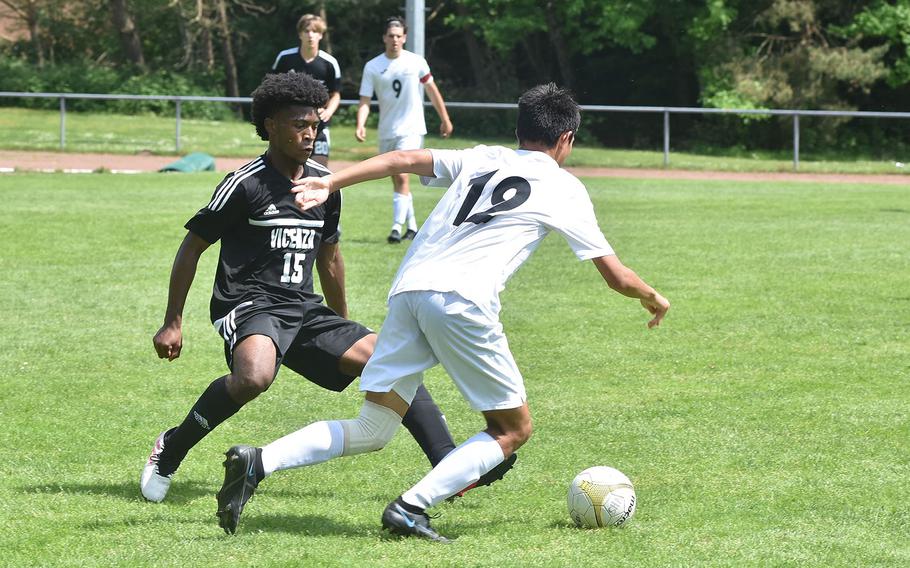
{"points": [[153, 486]]}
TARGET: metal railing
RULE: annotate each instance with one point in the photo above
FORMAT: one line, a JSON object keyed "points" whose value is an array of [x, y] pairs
{"points": [[665, 111]]}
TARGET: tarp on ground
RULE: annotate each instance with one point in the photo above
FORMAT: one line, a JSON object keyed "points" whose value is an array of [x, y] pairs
{"points": [[195, 162]]}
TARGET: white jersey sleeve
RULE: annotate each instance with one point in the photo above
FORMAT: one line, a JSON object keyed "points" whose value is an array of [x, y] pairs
{"points": [[423, 70], [576, 222], [447, 164], [366, 82]]}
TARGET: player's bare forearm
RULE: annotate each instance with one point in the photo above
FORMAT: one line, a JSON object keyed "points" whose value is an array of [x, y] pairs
{"points": [[168, 341], [183, 272], [331, 107], [313, 191], [624, 280], [363, 111], [330, 265], [445, 127], [418, 162]]}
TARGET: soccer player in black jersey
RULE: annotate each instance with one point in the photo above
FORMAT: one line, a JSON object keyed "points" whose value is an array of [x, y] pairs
{"points": [[263, 303], [309, 59]]}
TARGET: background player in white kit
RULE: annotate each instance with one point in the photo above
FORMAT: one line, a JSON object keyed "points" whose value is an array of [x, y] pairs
{"points": [[309, 59], [444, 301], [395, 77]]}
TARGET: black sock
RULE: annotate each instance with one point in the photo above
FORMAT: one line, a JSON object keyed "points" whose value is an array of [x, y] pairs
{"points": [[410, 508], [425, 422], [213, 407]]}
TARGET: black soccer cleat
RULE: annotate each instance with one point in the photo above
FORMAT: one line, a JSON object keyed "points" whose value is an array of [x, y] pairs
{"points": [[410, 234], [238, 487], [497, 472], [394, 237], [489, 477], [398, 520]]}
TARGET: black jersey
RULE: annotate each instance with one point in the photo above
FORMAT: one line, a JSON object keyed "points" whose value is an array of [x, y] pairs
{"points": [[268, 245]]}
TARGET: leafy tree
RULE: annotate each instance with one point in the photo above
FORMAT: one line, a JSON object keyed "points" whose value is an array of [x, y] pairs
{"points": [[122, 18], [783, 54], [550, 33], [888, 23]]}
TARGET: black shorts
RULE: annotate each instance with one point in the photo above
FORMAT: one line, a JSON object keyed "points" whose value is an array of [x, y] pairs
{"points": [[322, 143], [309, 338]]}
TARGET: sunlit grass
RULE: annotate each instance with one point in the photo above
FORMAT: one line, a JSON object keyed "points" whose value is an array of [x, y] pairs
{"points": [[765, 423]]}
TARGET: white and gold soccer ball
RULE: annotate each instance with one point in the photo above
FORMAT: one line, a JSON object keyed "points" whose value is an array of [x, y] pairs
{"points": [[601, 496]]}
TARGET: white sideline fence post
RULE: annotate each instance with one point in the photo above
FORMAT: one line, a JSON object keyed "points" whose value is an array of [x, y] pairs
{"points": [[177, 133], [62, 122]]}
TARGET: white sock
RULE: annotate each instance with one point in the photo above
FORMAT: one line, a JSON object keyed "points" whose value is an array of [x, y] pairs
{"points": [[400, 204], [316, 443], [412, 218], [459, 469]]}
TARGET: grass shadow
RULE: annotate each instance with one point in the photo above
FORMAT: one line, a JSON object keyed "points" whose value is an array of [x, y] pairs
{"points": [[305, 525], [183, 492], [317, 525]]}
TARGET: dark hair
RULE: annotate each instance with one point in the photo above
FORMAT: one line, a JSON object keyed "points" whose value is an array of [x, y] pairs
{"points": [[394, 22], [545, 112], [280, 90]]}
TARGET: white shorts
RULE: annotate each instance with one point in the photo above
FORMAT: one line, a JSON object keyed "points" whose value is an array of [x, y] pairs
{"points": [[412, 142], [424, 328]]}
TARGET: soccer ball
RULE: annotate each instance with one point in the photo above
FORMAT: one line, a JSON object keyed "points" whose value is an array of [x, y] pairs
{"points": [[601, 496]]}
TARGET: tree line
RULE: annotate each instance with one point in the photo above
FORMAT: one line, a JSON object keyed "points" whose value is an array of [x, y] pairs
{"points": [[799, 54]]}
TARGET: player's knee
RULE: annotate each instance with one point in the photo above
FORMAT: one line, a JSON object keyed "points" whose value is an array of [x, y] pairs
{"points": [[353, 360], [520, 434], [512, 435], [248, 385], [371, 431]]}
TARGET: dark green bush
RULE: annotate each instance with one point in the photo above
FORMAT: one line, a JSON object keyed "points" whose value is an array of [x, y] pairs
{"points": [[87, 77]]}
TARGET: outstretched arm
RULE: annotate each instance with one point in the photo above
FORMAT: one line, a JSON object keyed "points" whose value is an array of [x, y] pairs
{"points": [[330, 265], [169, 339], [314, 191], [624, 280], [445, 126]]}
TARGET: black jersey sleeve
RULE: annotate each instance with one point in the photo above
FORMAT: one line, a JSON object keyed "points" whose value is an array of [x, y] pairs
{"points": [[331, 230], [332, 78], [281, 65], [227, 207]]}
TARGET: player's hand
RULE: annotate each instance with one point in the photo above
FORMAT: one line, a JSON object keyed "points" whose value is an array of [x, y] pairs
{"points": [[658, 307], [360, 133], [168, 342], [311, 192], [445, 128], [324, 115]]}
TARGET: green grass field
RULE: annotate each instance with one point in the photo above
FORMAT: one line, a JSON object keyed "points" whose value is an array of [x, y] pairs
{"points": [[764, 424], [26, 129]]}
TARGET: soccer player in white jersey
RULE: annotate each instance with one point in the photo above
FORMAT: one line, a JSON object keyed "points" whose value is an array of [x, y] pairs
{"points": [[395, 77], [444, 301]]}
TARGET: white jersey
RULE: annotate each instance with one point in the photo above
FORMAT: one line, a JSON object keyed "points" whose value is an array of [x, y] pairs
{"points": [[500, 205], [396, 83]]}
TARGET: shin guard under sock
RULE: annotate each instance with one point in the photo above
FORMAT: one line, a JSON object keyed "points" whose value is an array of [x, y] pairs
{"points": [[428, 426]]}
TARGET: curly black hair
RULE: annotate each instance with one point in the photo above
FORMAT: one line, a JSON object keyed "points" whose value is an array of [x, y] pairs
{"points": [[280, 90]]}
